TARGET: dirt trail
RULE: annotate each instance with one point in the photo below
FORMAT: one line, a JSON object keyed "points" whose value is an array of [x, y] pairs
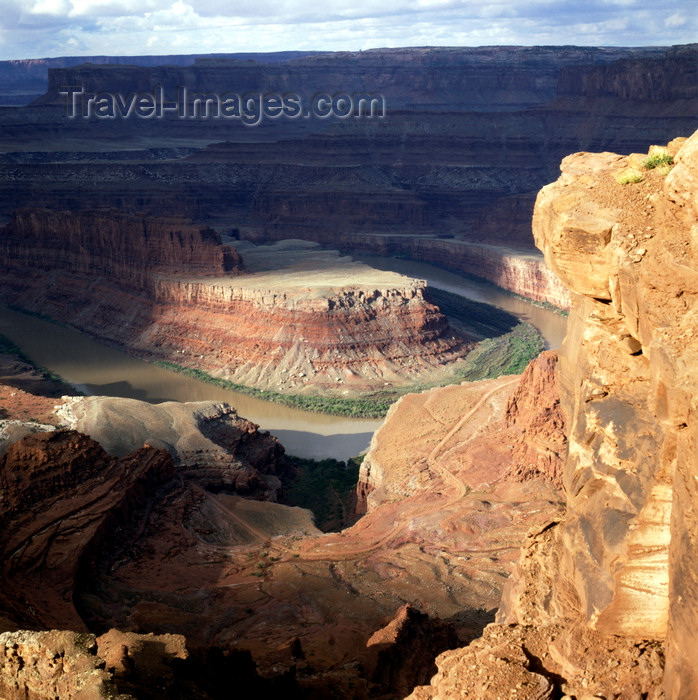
{"points": [[347, 552]]}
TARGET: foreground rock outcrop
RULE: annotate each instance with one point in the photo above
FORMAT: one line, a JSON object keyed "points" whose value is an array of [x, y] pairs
{"points": [[124, 666], [603, 603], [60, 493], [97, 541]]}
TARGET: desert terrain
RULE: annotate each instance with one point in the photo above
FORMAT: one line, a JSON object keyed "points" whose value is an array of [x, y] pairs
{"points": [[522, 524]]}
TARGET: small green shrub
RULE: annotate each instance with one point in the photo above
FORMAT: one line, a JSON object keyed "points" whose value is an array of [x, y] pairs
{"points": [[657, 159], [629, 178]]}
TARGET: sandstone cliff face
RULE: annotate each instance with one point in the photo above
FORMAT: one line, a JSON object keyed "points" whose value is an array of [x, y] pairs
{"points": [[113, 244], [652, 79], [616, 577]]}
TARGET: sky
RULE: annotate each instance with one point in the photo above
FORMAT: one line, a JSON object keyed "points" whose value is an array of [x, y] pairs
{"points": [[45, 28]]}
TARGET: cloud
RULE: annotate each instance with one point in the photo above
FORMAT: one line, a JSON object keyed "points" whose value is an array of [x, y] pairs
{"points": [[37, 28], [55, 8], [675, 21]]}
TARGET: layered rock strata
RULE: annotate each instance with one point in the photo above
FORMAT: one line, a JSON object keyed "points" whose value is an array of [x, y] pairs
{"points": [[134, 541], [520, 271], [605, 598], [470, 136], [236, 574], [170, 290], [115, 245]]}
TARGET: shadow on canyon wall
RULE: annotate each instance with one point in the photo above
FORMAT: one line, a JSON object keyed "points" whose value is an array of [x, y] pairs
{"points": [[468, 137]]}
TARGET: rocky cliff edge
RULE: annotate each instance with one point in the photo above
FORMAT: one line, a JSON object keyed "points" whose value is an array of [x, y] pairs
{"points": [[604, 603]]}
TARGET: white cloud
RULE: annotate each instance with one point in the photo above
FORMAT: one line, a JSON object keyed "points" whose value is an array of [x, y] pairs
{"points": [[674, 21], [55, 8], [121, 27]]}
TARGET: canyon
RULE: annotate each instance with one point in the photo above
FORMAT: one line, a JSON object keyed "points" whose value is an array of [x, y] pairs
{"points": [[170, 290], [469, 137], [564, 497], [523, 536], [187, 560]]}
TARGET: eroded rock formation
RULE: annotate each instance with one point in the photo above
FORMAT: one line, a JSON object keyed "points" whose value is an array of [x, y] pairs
{"points": [[60, 492], [601, 598], [470, 135], [168, 289], [521, 270], [208, 441], [402, 652], [231, 574], [56, 664]]}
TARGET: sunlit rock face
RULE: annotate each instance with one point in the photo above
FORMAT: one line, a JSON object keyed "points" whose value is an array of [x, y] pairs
{"points": [[625, 251], [614, 582]]}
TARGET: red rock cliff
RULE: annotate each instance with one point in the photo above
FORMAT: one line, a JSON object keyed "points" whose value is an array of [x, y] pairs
{"points": [[169, 289], [603, 597], [110, 243]]}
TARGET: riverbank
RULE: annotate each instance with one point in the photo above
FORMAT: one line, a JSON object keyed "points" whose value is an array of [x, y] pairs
{"points": [[508, 353], [96, 369]]}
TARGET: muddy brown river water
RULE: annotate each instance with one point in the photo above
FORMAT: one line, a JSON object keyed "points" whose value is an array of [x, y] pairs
{"points": [[97, 369]]}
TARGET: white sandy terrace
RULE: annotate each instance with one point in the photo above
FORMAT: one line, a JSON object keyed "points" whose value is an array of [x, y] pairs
{"points": [[303, 265]]}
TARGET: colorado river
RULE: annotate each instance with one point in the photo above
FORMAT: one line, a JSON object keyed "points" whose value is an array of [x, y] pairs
{"points": [[100, 370]]}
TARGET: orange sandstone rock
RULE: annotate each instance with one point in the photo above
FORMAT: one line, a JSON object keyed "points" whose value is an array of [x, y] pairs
{"points": [[598, 599]]}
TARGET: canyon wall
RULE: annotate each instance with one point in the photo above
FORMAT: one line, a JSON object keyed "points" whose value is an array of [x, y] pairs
{"points": [[505, 77], [650, 79], [469, 136], [169, 290], [64, 498], [604, 596], [25, 80], [114, 244], [64, 502]]}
